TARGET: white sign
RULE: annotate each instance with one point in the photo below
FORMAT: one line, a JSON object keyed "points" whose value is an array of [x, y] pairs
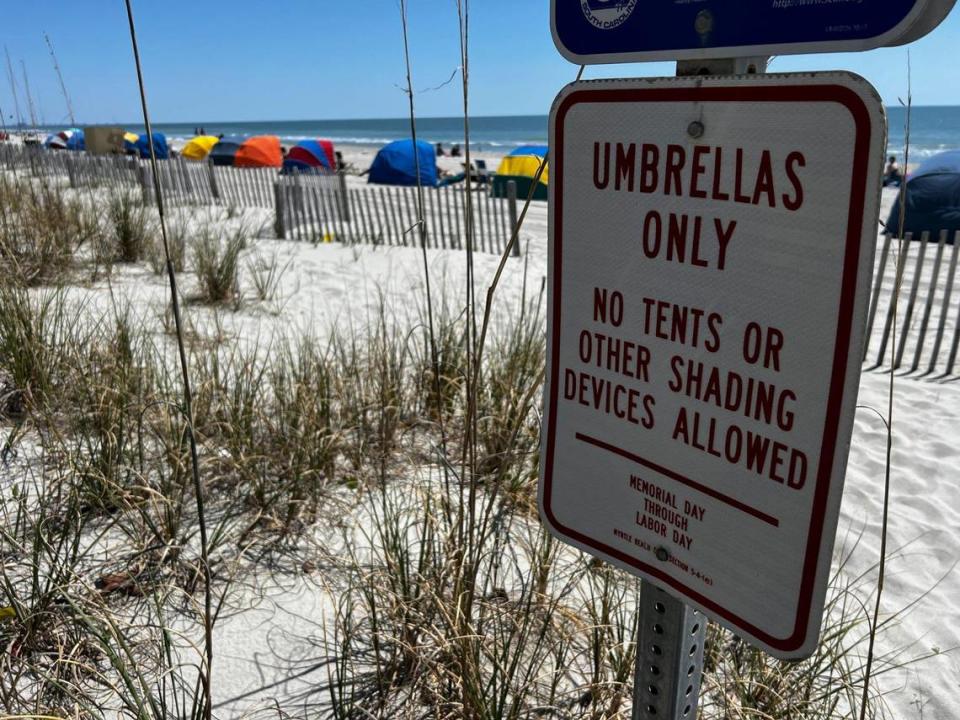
{"points": [[711, 253]]}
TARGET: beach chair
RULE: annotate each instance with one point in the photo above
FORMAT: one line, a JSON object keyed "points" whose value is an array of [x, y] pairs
{"points": [[479, 173], [483, 173]]}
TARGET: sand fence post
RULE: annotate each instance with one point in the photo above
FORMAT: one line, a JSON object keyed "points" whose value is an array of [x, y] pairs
{"points": [[278, 224], [955, 345], [928, 305], [214, 190], [344, 202], [875, 301], [145, 182], [914, 289], [185, 175], [947, 295], [133, 176], [901, 269], [514, 217], [72, 171]]}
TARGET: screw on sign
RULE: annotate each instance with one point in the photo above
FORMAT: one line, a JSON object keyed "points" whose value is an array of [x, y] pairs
{"points": [[597, 31], [711, 251]]}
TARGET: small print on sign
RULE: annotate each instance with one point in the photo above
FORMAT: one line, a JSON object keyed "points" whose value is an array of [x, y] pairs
{"points": [[607, 14], [711, 251]]}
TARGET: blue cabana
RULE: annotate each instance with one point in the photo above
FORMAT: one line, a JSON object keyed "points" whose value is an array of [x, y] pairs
{"points": [[932, 198], [76, 141], [160, 146], [396, 164], [535, 150]]}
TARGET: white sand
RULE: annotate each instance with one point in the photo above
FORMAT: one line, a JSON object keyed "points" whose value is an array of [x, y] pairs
{"points": [[270, 652]]}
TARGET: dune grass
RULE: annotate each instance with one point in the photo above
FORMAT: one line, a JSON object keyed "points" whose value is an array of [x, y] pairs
{"points": [[407, 437]]}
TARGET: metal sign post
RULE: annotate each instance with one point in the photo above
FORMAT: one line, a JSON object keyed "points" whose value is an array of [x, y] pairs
{"points": [[670, 642]]}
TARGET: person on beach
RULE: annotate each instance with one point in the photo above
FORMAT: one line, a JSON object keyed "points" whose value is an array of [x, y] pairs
{"points": [[440, 152], [455, 151], [892, 177]]}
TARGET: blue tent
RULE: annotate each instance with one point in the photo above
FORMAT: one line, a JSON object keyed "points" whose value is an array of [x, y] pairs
{"points": [[932, 198], [76, 141], [536, 150], [159, 146], [395, 164]]}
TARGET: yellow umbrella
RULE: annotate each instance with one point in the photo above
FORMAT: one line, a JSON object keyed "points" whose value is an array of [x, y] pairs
{"points": [[524, 166], [199, 147]]}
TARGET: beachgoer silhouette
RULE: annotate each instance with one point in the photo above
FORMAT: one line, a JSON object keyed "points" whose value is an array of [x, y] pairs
{"points": [[455, 151], [440, 152], [892, 177]]}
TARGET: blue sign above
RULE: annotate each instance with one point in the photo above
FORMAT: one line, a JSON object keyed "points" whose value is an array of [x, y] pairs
{"points": [[597, 31]]}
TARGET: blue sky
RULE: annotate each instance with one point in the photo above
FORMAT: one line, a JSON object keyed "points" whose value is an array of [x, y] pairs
{"points": [[300, 59]]}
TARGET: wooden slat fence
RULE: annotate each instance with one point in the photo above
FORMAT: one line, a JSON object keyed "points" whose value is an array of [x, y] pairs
{"points": [[317, 208], [927, 336], [322, 209]]}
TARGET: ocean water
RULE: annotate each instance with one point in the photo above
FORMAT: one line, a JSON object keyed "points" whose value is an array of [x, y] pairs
{"points": [[488, 134], [933, 130]]}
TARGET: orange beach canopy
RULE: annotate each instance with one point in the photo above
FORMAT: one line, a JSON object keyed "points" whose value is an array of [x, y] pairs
{"points": [[259, 151]]}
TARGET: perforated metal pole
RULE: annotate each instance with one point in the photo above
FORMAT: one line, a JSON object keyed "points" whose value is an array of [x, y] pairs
{"points": [[669, 657]]}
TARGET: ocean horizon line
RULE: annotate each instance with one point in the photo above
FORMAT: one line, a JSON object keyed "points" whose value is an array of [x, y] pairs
{"points": [[263, 121]]}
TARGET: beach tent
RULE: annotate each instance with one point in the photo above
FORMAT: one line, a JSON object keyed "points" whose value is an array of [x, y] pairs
{"points": [[160, 146], [224, 151], [396, 164], [932, 198], [521, 166], [58, 141], [314, 156], [199, 147], [76, 141], [130, 143], [258, 151]]}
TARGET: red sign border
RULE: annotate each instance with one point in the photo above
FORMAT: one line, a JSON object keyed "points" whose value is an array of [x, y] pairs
{"points": [[829, 93]]}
